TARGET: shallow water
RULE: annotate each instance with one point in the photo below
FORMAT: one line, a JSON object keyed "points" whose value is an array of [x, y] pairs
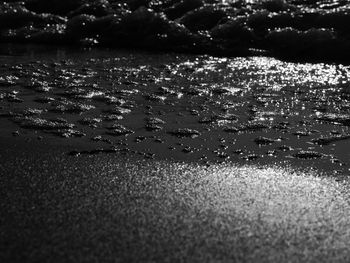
{"points": [[251, 110]]}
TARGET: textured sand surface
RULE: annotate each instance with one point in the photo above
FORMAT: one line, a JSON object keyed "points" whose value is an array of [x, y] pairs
{"points": [[105, 208]]}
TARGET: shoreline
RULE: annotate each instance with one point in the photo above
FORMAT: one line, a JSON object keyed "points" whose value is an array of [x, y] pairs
{"points": [[170, 106]]}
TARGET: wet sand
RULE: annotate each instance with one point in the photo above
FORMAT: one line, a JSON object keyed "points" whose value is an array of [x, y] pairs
{"points": [[122, 156], [255, 110], [110, 208]]}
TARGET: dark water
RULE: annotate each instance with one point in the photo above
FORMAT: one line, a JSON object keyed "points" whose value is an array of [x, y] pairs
{"points": [[251, 110]]}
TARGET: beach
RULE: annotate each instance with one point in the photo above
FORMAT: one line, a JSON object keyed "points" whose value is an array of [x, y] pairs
{"points": [[119, 156], [119, 209]]}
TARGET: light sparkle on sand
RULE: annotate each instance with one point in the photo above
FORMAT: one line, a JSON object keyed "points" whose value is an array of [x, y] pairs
{"points": [[298, 214]]}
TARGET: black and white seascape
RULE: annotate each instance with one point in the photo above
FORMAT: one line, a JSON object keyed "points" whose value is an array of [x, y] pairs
{"points": [[174, 131]]}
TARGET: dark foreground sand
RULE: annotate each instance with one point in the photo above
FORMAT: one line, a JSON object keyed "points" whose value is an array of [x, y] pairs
{"points": [[113, 208]]}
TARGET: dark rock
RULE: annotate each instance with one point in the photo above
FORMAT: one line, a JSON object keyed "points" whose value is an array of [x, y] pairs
{"points": [[263, 140], [100, 29], [285, 148], [220, 91], [90, 121], [335, 118], [271, 152], [158, 141], [302, 133], [88, 42], [149, 155], [13, 98], [67, 133], [154, 97], [147, 29], [238, 151], [117, 110], [226, 117], [282, 126], [203, 18], [59, 7], [194, 112], [180, 8], [233, 30], [311, 44], [222, 155], [109, 99], [291, 38], [30, 112], [71, 107], [252, 126], [251, 157], [7, 81], [16, 15], [140, 139], [15, 133], [81, 26], [96, 8], [167, 91], [185, 133], [54, 34], [308, 155], [337, 19], [92, 152], [42, 124], [153, 127], [154, 120], [112, 117], [231, 129], [135, 4], [278, 6], [188, 149], [331, 139], [119, 130], [208, 120], [193, 91], [74, 153], [38, 86], [99, 138], [263, 21]]}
